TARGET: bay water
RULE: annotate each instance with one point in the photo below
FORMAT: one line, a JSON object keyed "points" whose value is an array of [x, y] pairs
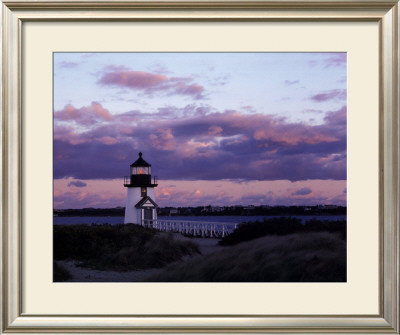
{"points": [[113, 220]]}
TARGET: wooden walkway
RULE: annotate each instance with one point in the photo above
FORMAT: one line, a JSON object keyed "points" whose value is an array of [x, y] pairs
{"points": [[192, 228]]}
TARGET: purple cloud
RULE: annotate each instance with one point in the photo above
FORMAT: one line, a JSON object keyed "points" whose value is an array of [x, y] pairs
{"points": [[337, 118], [315, 111], [77, 183], [329, 95], [338, 59], [302, 191], [209, 145], [68, 65], [291, 82], [150, 83]]}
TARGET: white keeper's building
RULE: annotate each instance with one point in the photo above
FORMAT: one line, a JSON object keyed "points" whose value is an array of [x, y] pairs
{"points": [[141, 207]]}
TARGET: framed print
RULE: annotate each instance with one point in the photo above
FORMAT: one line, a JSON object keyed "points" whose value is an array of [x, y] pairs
{"points": [[256, 104]]}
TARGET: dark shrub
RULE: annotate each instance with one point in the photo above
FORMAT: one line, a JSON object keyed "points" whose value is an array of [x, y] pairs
{"points": [[60, 273], [251, 230], [83, 242], [301, 257], [339, 227], [282, 226], [119, 247]]}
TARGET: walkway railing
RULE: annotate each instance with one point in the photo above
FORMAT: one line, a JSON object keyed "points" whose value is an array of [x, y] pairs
{"points": [[192, 228]]}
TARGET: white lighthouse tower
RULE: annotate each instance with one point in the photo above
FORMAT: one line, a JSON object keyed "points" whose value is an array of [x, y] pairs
{"points": [[140, 205]]}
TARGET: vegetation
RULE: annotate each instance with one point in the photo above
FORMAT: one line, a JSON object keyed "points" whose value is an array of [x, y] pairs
{"points": [[281, 226], [312, 257], [339, 227], [274, 250], [118, 247], [60, 273]]}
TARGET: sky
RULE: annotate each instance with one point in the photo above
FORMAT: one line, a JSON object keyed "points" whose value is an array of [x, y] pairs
{"points": [[219, 129]]}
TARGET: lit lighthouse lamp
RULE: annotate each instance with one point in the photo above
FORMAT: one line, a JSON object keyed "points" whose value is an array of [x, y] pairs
{"points": [[140, 205]]}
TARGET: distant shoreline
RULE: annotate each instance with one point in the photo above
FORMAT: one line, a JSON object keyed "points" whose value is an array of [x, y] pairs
{"points": [[204, 211], [272, 215]]}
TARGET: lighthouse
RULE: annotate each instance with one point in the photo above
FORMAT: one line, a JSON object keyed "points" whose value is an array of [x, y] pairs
{"points": [[140, 205]]}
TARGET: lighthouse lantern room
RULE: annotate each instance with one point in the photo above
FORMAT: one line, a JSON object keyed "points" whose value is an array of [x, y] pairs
{"points": [[140, 205]]}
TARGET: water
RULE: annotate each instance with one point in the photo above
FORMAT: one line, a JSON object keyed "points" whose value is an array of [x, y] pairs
{"points": [[67, 220]]}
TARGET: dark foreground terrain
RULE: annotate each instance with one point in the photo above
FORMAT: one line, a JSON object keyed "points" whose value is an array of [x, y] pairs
{"points": [[276, 250]]}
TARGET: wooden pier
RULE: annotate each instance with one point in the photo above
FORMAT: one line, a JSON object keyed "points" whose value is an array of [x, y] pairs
{"points": [[192, 228]]}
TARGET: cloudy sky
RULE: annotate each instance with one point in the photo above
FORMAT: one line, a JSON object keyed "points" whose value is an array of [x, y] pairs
{"points": [[218, 128]]}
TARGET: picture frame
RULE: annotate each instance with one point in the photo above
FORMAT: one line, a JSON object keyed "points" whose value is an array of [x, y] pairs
{"points": [[16, 13]]}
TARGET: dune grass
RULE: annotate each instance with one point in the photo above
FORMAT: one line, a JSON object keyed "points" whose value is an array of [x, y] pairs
{"points": [[300, 257], [281, 226], [118, 247], [60, 273], [275, 250]]}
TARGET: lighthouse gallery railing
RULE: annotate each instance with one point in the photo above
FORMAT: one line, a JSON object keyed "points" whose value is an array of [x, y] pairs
{"points": [[192, 228], [127, 180]]}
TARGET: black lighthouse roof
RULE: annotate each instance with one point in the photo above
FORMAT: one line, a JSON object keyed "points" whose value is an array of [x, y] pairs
{"points": [[140, 161]]}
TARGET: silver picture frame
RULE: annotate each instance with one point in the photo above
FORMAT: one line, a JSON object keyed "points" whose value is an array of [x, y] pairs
{"points": [[16, 12]]}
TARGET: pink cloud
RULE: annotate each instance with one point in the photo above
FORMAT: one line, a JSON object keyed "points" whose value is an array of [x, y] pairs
{"points": [[293, 134], [171, 196], [107, 140], [214, 130], [163, 139], [67, 134], [338, 59], [197, 194], [86, 199], [132, 79], [180, 86], [150, 83], [85, 115]]}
